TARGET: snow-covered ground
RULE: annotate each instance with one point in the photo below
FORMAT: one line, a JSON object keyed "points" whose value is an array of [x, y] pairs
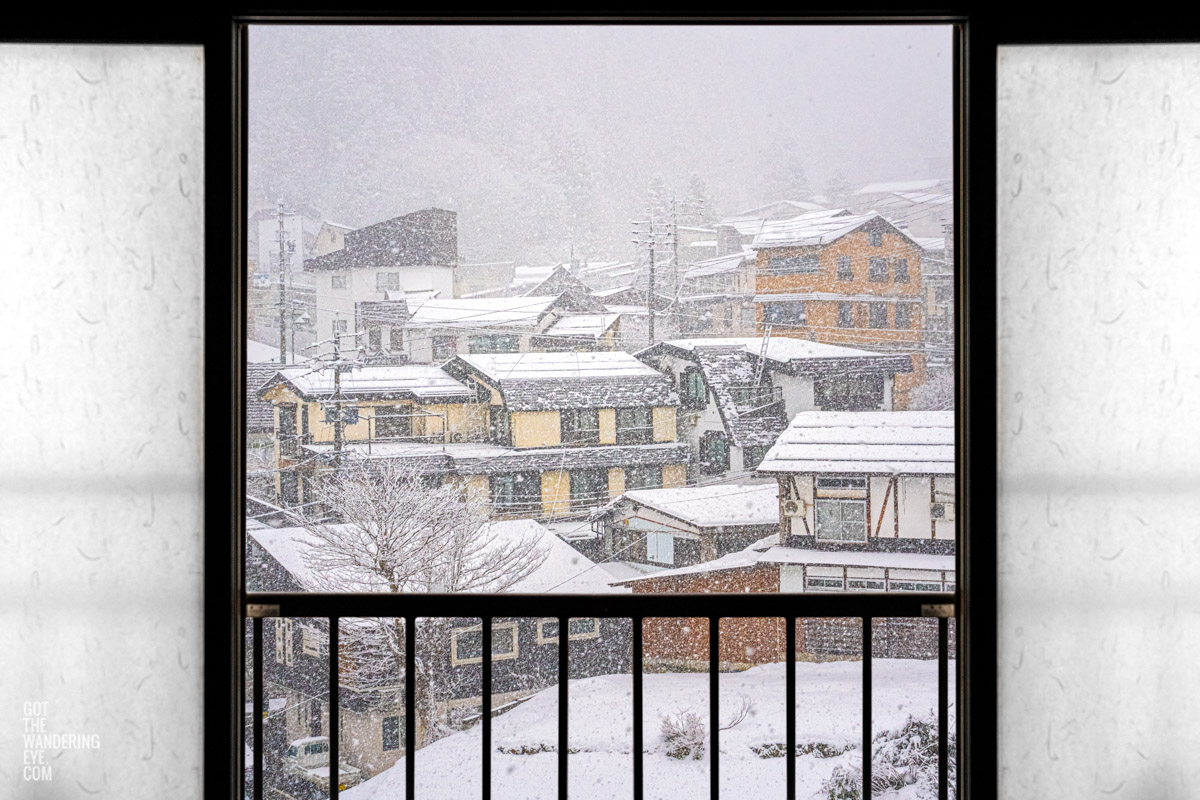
{"points": [[828, 711]]}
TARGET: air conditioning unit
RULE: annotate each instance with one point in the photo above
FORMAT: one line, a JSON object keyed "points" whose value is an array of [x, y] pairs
{"points": [[942, 511], [795, 508]]}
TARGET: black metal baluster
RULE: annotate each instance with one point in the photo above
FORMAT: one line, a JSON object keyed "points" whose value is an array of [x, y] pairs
{"points": [[638, 788], [410, 701], [790, 673], [256, 708], [564, 638], [867, 792], [943, 706], [486, 710], [335, 734], [714, 706]]}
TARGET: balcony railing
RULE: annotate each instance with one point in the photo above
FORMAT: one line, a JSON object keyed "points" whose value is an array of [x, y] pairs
{"points": [[637, 607]]}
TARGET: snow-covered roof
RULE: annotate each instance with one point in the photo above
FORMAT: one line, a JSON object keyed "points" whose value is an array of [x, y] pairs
{"points": [[791, 297], [720, 505], [259, 353], [337, 225], [545, 381], [900, 186], [931, 242], [716, 266], [565, 569], [889, 442], [819, 228], [927, 198], [416, 381], [761, 211], [479, 312], [757, 224], [779, 348], [594, 325]]}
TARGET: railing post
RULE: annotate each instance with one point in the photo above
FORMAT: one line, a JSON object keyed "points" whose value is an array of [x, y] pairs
{"points": [[486, 705], [943, 707], [256, 708], [410, 702], [790, 693], [638, 787], [564, 674], [335, 754], [866, 710], [714, 706]]}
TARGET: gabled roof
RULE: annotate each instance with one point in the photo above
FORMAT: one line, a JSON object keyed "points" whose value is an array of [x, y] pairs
{"points": [[819, 229], [760, 212], [714, 506], [479, 312], [592, 325], [546, 381], [716, 266], [428, 237], [754, 225], [790, 355], [408, 381], [871, 442]]}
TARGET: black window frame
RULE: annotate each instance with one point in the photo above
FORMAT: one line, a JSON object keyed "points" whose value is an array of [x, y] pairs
{"points": [[579, 427], [877, 315], [222, 35], [877, 269], [845, 268], [845, 314], [630, 431]]}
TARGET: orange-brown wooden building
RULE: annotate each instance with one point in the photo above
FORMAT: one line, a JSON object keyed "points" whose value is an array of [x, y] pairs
{"points": [[843, 278]]}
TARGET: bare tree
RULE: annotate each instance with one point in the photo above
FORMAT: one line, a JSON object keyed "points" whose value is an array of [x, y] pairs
{"points": [[386, 530]]}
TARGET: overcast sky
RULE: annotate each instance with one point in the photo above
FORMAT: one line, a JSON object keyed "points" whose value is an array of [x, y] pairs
{"points": [[548, 137]]}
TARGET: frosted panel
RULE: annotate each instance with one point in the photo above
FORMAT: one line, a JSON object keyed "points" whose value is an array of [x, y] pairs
{"points": [[101, 164], [1098, 164]]}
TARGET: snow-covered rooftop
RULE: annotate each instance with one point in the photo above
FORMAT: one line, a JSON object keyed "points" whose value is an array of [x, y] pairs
{"points": [[420, 381], [819, 228], [714, 506], [594, 325], [779, 348], [478, 312], [716, 266], [889, 442], [565, 569], [259, 353], [559, 366], [900, 186]]}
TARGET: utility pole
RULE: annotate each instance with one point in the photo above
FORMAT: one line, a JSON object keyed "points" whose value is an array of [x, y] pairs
{"points": [[338, 413], [653, 236], [286, 248]]}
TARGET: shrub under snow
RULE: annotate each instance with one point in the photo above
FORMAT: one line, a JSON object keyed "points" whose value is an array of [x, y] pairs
{"points": [[905, 757]]}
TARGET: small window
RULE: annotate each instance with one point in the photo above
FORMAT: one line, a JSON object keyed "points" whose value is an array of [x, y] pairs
{"points": [[391, 733], [753, 455], [289, 642], [517, 493], [547, 631], [375, 337], [338, 282], [876, 238], [865, 585], [844, 271], [841, 520], [877, 270], [849, 393], [579, 628], [387, 281], [845, 315], [635, 425], [396, 339], [660, 548], [903, 319], [393, 422], [495, 343], [879, 315], [445, 347], [341, 326], [714, 453], [579, 426], [825, 585], [643, 477], [466, 644], [500, 426], [589, 488], [902, 270], [310, 641], [692, 388]]}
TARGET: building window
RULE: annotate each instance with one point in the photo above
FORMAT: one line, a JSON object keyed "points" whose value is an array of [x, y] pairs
{"points": [[466, 644], [500, 426], [579, 426], [753, 455], [845, 315], [445, 347], [578, 628], [660, 548], [393, 422], [844, 271], [589, 488], [391, 733], [902, 270], [387, 281], [338, 282], [375, 337], [310, 641], [849, 393], [903, 315], [824, 585], [877, 270], [714, 453], [643, 477], [517, 492], [340, 326], [495, 343], [841, 506], [790, 313], [635, 425], [693, 390], [396, 339], [879, 315], [876, 238]]}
